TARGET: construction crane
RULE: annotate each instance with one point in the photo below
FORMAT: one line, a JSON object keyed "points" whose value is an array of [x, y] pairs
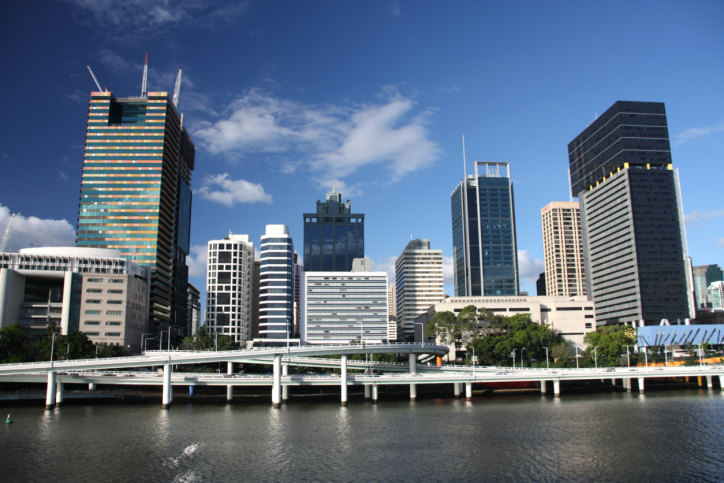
{"points": [[6, 236], [145, 77], [177, 89], [95, 79]]}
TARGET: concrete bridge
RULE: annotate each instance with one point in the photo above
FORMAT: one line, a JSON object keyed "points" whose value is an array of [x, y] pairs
{"points": [[57, 374]]}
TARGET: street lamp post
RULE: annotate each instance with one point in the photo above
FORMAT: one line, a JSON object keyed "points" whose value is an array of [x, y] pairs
{"points": [[474, 360], [628, 355], [52, 347], [143, 347], [595, 355], [577, 356], [701, 349], [169, 338], [522, 361], [548, 366], [513, 358], [646, 355]]}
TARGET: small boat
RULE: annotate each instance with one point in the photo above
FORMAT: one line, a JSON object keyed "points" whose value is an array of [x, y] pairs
{"points": [[9, 419]]}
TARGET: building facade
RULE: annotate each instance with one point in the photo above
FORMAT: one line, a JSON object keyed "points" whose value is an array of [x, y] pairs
{"points": [[194, 310], [704, 276], [94, 291], [340, 308], [136, 195], [229, 273], [485, 256], [276, 286], [715, 295], [392, 309], [333, 236], [540, 284], [572, 317], [563, 249], [418, 284], [634, 239]]}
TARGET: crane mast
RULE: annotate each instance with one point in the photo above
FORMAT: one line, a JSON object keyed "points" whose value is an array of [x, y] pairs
{"points": [[95, 79], [177, 89], [6, 236], [145, 77]]}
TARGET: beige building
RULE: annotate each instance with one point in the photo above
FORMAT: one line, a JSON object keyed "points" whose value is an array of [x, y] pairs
{"points": [[418, 284], [565, 273], [392, 307], [572, 317], [92, 290]]}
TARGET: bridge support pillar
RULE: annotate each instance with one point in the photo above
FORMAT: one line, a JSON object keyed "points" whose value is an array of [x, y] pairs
{"points": [[374, 393], [710, 382], [229, 387], [50, 392], [413, 370], [456, 389], [700, 380], [721, 382], [92, 387], [277, 385], [285, 387], [343, 379], [628, 384], [59, 393], [613, 382], [166, 397], [641, 384], [557, 388], [543, 386], [468, 390], [368, 388]]}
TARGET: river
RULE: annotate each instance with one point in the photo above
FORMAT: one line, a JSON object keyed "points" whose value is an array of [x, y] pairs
{"points": [[658, 436]]}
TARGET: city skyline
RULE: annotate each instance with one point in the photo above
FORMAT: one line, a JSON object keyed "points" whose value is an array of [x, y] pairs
{"points": [[390, 141]]}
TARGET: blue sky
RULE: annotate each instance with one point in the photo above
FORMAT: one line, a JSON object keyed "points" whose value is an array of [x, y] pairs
{"points": [[281, 98]]}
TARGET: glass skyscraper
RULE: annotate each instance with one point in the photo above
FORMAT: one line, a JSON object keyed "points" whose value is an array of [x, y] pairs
{"points": [[485, 256], [333, 236], [136, 194], [631, 216]]}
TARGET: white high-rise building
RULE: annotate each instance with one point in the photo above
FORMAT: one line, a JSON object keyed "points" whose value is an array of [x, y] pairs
{"points": [[340, 307], [715, 295], [229, 287], [392, 307], [563, 249], [276, 286], [419, 283]]}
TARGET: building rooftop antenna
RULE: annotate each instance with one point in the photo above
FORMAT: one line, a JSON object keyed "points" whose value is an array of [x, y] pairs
{"points": [[145, 76], [465, 164]]}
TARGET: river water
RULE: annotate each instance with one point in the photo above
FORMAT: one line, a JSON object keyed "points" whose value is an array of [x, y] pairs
{"points": [[658, 436]]}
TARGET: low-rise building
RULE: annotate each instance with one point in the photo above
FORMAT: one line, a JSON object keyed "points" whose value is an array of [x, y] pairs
{"points": [[341, 307], [92, 290], [572, 317]]}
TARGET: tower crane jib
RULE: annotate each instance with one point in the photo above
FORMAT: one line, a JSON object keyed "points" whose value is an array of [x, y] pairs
{"points": [[177, 89]]}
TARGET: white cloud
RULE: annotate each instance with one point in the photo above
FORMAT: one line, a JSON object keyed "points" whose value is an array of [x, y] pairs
{"points": [[78, 96], [698, 132], [130, 16], [721, 242], [529, 268], [232, 191], [34, 232], [63, 175], [196, 261], [697, 216], [396, 9], [386, 264], [8, 158], [336, 140], [448, 271], [347, 191]]}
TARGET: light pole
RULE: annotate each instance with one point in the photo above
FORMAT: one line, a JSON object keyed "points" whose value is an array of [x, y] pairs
{"points": [[169, 338], [701, 349], [522, 361], [67, 352], [474, 360], [142, 343], [548, 366], [52, 347], [646, 355], [513, 358], [628, 355], [595, 355], [577, 356]]}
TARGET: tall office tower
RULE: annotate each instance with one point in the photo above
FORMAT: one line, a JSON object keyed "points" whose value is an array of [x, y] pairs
{"points": [[229, 273], [392, 309], [419, 284], [485, 256], [715, 295], [298, 275], [631, 215], [704, 276], [341, 307], [540, 285], [193, 315], [276, 286], [563, 250], [136, 195], [333, 236], [255, 300]]}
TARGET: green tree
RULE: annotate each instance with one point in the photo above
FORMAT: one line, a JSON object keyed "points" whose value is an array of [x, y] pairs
{"points": [[611, 342], [13, 344]]}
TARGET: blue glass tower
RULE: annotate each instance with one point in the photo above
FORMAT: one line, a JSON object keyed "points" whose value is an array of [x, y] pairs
{"points": [[333, 236], [485, 255]]}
